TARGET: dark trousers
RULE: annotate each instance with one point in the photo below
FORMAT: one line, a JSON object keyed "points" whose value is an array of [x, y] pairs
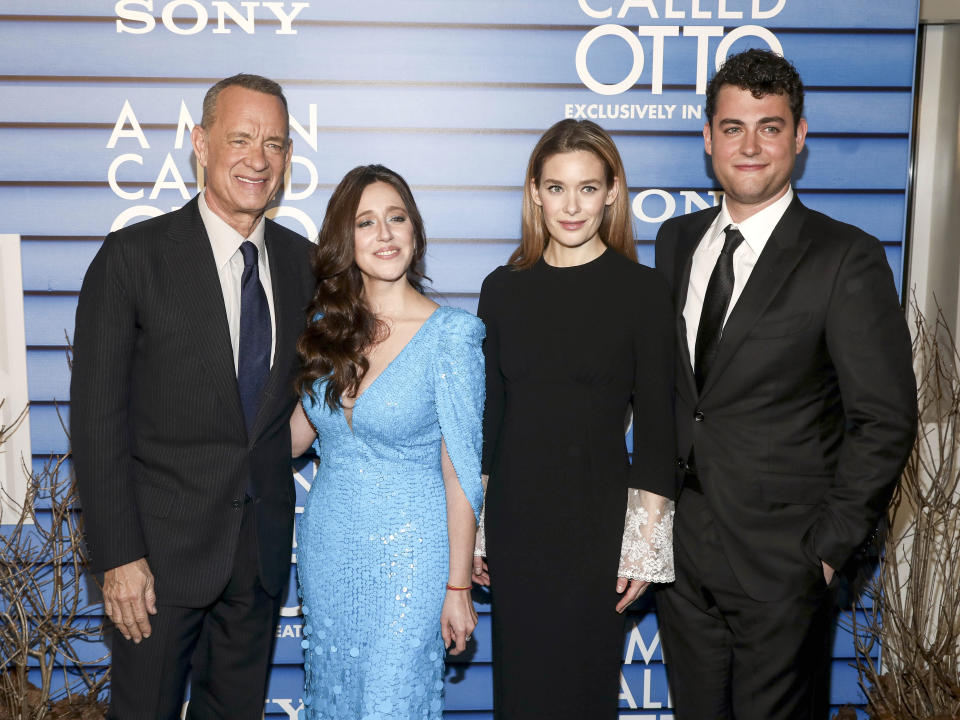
{"points": [[730, 657], [224, 648]]}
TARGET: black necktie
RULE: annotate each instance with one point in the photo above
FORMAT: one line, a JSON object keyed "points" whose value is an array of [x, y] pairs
{"points": [[715, 303], [253, 362]]}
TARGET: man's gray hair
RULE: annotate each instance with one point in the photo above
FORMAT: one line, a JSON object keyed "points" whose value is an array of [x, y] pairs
{"points": [[257, 83]]}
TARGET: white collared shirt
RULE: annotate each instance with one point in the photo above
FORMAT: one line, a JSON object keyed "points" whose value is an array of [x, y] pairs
{"points": [[225, 242], [756, 230]]}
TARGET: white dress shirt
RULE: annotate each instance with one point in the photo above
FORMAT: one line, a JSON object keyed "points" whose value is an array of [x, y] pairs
{"points": [[756, 230], [225, 242]]}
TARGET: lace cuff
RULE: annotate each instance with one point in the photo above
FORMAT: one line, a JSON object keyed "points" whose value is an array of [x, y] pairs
{"points": [[647, 549], [480, 547]]}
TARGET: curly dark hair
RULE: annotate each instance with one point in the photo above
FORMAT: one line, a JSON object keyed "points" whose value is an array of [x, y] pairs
{"points": [[762, 72], [340, 324]]}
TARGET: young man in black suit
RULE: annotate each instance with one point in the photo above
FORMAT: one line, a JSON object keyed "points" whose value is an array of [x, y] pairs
{"points": [[182, 388], [795, 409]]}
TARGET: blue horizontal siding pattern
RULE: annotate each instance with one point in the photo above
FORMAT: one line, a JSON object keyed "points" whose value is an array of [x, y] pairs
{"points": [[471, 83], [808, 13], [46, 430], [48, 376], [438, 108], [55, 266], [403, 54], [42, 461], [476, 159], [48, 320], [465, 213]]}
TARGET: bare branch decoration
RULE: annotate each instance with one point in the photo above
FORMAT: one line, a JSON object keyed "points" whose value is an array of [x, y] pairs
{"points": [[908, 647]]}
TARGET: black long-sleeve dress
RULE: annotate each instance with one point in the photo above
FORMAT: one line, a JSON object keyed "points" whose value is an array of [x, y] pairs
{"points": [[567, 351]]}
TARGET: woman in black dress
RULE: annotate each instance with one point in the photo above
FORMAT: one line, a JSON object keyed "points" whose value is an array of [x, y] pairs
{"points": [[577, 333]]}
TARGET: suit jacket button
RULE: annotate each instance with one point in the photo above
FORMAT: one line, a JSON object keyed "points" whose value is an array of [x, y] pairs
{"points": [[237, 504], [698, 416], [681, 463]]}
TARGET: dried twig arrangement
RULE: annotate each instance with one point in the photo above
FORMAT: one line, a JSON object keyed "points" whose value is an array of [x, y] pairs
{"points": [[908, 650], [43, 616]]}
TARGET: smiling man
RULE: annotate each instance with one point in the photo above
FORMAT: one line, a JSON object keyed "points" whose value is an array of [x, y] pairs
{"points": [[795, 409], [184, 360]]}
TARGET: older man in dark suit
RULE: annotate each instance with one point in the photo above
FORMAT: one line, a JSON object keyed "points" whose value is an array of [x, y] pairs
{"points": [[796, 411], [184, 361]]}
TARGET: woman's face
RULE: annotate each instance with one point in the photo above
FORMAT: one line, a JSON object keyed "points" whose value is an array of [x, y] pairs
{"points": [[383, 234], [573, 194]]}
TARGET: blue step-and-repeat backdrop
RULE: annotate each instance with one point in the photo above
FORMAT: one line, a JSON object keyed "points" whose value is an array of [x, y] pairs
{"points": [[98, 98]]}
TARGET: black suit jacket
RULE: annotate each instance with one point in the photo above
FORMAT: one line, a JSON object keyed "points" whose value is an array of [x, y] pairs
{"points": [[809, 412], [160, 448]]}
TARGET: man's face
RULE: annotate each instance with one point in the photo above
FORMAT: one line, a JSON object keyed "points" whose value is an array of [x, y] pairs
{"points": [[245, 152], [753, 144]]}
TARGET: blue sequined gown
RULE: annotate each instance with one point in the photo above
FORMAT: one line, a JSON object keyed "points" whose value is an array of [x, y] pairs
{"points": [[372, 549]]}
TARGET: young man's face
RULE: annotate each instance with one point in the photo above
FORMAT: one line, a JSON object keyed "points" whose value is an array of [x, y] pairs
{"points": [[753, 144]]}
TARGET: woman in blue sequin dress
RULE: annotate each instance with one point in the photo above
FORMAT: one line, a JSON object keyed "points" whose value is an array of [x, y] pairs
{"points": [[393, 395]]}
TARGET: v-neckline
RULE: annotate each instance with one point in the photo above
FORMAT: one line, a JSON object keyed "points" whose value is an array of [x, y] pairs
{"points": [[393, 360]]}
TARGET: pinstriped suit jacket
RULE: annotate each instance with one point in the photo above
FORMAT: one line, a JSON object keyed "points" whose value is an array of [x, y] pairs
{"points": [[161, 452]]}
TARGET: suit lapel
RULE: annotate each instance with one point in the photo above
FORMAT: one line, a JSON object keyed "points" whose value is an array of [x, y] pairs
{"points": [[193, 269], [686, 245], [779, 257], [288, 315]]}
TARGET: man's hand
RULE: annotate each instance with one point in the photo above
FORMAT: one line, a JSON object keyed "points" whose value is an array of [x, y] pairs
{"points": [[828, 572], [128, 597]]}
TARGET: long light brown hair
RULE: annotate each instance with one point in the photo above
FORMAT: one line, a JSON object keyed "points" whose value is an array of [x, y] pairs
{"points": [[616, 229], [340, 324]]}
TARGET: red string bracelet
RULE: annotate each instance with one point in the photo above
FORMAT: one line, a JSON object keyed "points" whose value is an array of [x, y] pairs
{"points": [[454, 587]]}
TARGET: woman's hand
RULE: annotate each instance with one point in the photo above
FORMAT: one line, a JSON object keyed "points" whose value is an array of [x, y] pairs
{"points": [[635, 589], [647, 547], [457, 620], [481, 573]]}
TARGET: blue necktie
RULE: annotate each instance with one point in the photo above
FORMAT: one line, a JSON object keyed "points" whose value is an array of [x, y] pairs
{"points": [[253, 363]]}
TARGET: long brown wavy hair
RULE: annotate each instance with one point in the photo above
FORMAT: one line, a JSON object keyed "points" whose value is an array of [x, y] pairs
{"points": [[616, 229], [340, 324]]}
